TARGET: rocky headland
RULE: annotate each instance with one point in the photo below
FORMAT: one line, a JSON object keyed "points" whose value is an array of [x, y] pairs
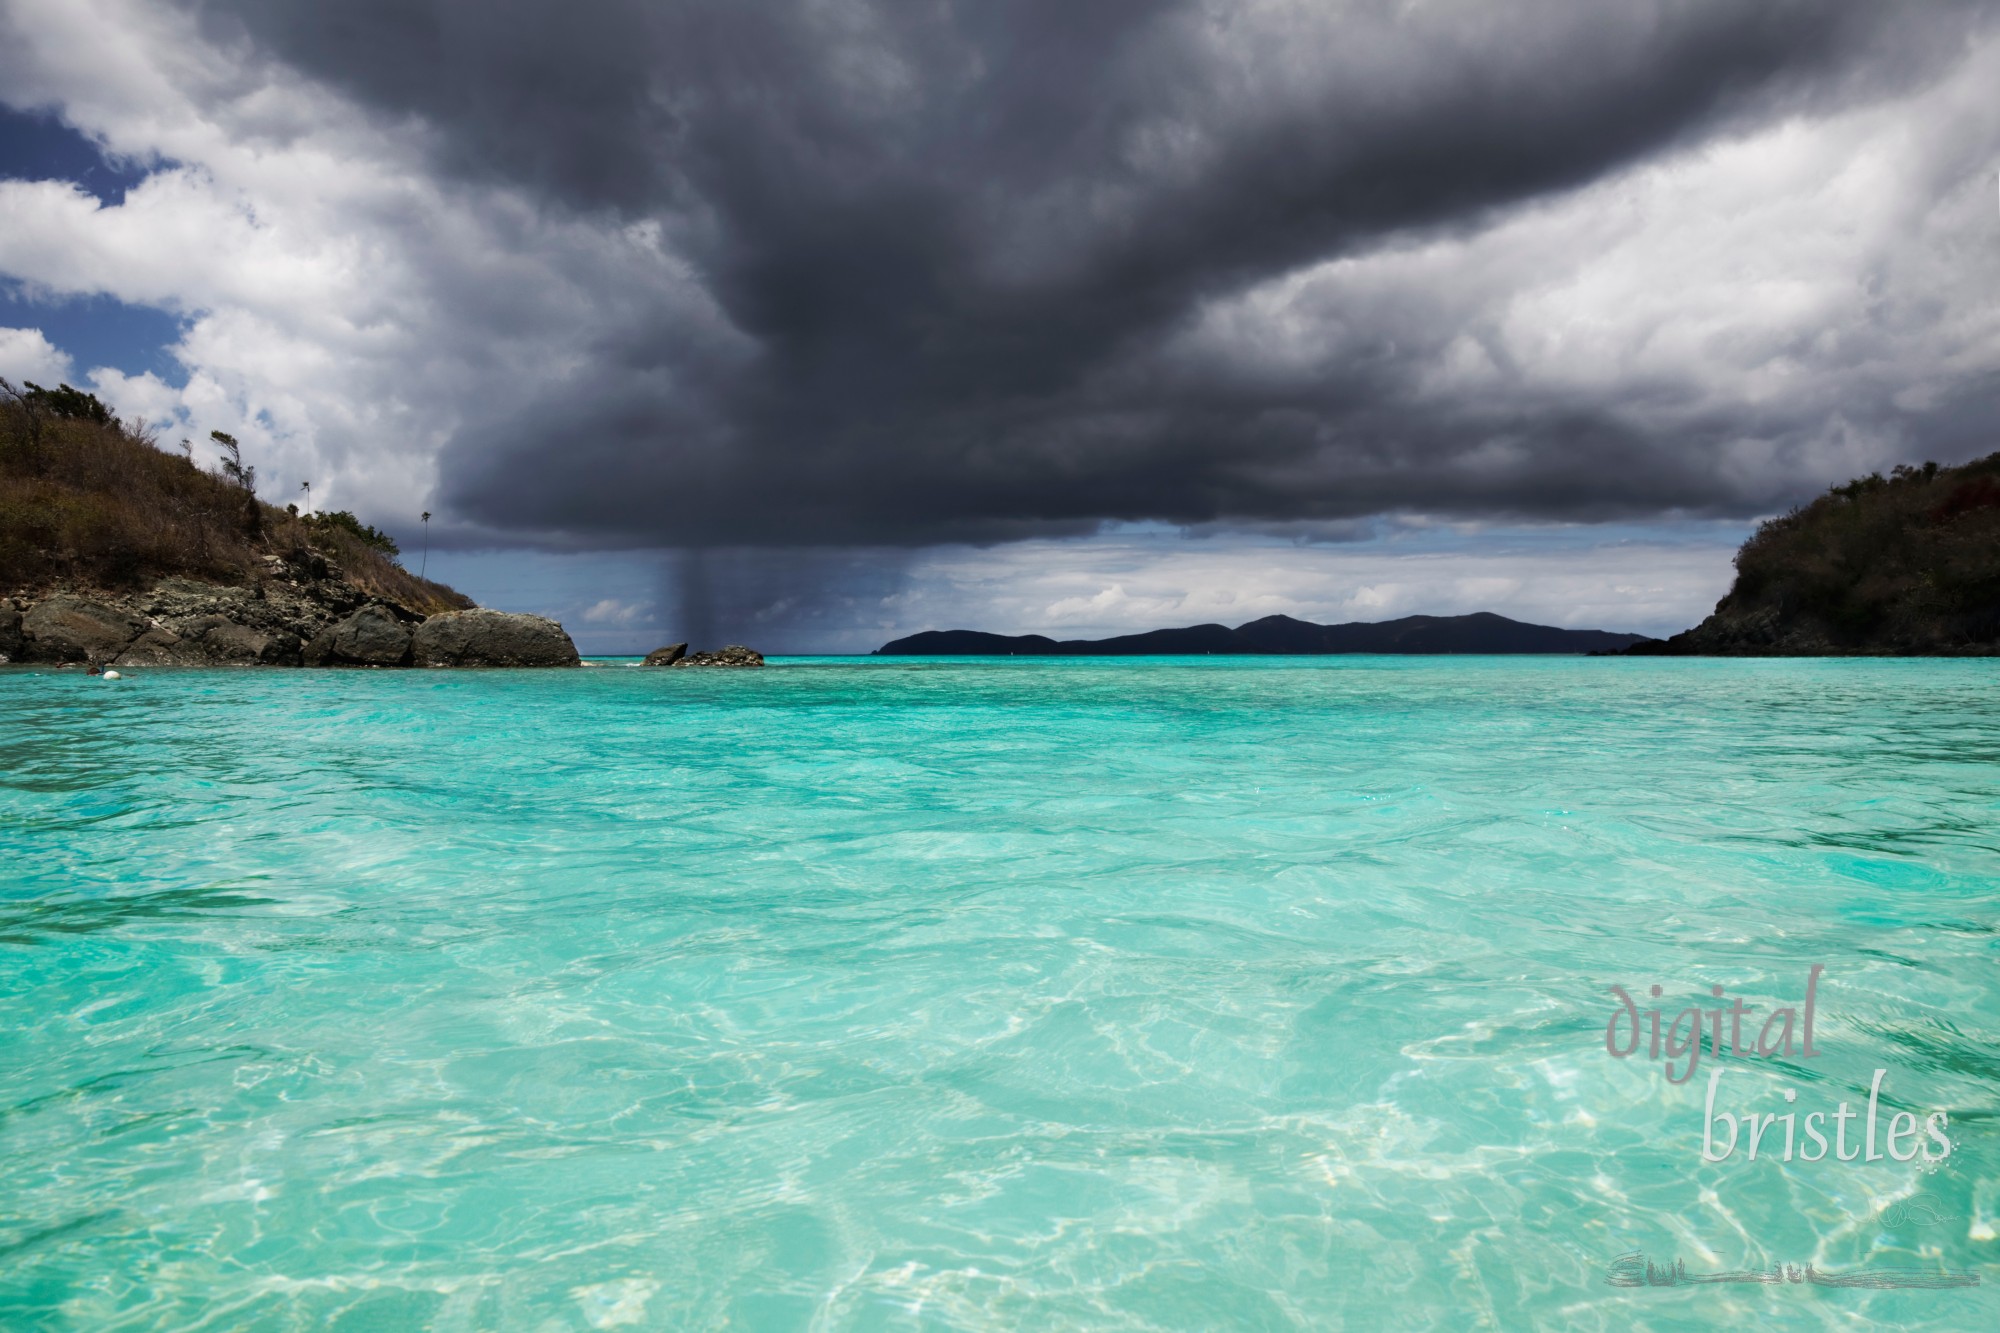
{"points": [[1906, 565], [277, 620], [115, 552]]}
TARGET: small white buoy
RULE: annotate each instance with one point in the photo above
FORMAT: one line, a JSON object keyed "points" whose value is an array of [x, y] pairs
{"points": [[113, 675]]}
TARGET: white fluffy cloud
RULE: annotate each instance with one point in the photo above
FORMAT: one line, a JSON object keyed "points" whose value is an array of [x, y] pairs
{"points": [[26, 355], [1123, 585], [348, 312], [610, 613]]}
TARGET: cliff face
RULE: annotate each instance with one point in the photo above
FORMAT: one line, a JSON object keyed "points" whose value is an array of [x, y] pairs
{"points": [[116, 552], [1904, 565]]}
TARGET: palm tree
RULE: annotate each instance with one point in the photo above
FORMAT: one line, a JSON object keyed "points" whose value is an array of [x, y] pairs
{"points": [[427, 544], [307, 487]]}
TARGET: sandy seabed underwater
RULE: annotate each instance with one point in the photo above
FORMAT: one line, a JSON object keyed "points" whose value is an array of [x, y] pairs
{"points": [[986, 994]]}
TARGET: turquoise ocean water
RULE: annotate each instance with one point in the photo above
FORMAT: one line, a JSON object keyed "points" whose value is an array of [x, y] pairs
{"points": [[898, 994]]}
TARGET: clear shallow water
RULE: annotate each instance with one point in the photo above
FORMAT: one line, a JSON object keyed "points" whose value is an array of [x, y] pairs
{"points": [[903, 994]]}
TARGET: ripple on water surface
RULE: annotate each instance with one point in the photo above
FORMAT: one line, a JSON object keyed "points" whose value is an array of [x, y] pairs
{"points": [[1005, 994]]}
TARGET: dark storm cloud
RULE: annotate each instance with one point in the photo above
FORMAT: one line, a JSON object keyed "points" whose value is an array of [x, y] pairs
{"points": [[964, 244]]}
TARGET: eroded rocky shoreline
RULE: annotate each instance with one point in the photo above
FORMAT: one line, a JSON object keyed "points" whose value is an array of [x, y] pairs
{"points": [[303, 616], [297, 612]]}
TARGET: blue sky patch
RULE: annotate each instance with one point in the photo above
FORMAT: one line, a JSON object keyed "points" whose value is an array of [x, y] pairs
{"points": [[100, 331], [93, 330], [37, 146]]}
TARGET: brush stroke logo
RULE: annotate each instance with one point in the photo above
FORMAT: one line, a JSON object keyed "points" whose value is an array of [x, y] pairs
{"points": [[1634, 1269]]}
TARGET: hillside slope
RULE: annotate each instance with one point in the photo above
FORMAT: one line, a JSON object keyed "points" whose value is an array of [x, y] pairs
{"points": [[114, 552], [89, 502], [1903, 565]]}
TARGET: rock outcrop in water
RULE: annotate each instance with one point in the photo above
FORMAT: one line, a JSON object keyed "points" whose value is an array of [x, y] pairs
{"points": [[677, 655], [1896, 566], [735, 655], [373, 636], [492, 639]]}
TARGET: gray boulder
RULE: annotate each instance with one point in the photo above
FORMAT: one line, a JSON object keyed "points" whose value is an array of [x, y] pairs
{"points": [[282, 648], [372, 636], [735, 655], [319, 649], [10, 634], [491, 639], [239, 645], [67, 628], [156, 647], [666, 656]]}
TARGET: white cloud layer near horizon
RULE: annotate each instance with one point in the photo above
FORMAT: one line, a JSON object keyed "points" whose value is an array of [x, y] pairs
{"points": [[1633, 579], [350, 312], [1092, 590]]}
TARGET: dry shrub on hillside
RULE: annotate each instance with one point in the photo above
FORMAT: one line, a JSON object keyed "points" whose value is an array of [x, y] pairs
{"points": [[90, 500]]}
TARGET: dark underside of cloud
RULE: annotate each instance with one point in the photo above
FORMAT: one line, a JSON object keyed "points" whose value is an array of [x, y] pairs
{"points": [[957, 250]]}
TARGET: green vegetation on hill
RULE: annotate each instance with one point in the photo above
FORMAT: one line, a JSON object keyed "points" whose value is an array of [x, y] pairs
{"points": [[1903, 564], [89, 500], [339, 520], [64, 401]]}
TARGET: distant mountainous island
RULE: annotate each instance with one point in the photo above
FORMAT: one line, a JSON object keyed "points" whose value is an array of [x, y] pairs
{"points": [[1905, 565], [1482, 632]]}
